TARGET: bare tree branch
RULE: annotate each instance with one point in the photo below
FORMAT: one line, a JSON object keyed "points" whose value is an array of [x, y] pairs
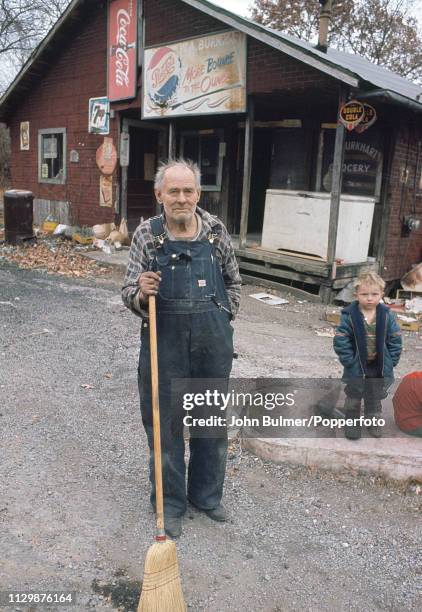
{"points": [[383, 31], [23, 24]]}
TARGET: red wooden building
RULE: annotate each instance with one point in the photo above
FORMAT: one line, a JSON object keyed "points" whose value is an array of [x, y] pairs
{"points": [[310, 201]]}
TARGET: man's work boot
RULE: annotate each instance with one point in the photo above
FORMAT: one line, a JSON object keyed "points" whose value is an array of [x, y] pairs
{"points": [[173, 526], [218, 514]]}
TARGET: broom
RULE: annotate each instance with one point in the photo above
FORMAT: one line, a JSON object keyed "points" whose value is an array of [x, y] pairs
{"points": [[161, 587]]}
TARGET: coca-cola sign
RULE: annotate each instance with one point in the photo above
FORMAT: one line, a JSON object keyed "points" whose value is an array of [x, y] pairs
{"points": [[122, 49]]}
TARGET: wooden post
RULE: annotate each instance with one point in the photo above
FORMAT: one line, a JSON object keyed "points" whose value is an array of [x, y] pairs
{"points": [[172, 141], [336, 187], [386, 198], [247, 169], [124, 176]]}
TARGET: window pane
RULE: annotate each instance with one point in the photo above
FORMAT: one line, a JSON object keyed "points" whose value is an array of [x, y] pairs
{"points": [[289, 167], [51, 156], [209, 159], [362, 156], [191, 148]]}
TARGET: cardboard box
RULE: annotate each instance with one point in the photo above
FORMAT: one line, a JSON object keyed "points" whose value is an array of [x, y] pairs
{"points": [[412, 326], [333, 316]]}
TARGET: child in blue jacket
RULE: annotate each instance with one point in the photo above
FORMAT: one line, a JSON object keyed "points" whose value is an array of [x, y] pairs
{"points": [[368, 343]]}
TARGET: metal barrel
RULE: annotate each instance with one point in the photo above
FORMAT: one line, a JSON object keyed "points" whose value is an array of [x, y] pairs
{"points": [[18, 215]]}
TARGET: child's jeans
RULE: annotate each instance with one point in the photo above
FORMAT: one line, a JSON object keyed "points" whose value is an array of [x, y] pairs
{"points": [[371, 389]]}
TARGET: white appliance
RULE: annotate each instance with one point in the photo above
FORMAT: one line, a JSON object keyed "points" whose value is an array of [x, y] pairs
{"points": [[298, 221]]}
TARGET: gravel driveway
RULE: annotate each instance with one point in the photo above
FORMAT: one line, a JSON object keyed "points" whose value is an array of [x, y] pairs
{"points": [[74, 508]]}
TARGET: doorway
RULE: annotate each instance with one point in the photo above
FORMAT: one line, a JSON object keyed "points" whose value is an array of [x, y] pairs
{"points": [[143, 156]]}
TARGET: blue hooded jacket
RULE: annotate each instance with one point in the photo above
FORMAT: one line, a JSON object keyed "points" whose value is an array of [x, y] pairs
{"points": [[350, 342]]}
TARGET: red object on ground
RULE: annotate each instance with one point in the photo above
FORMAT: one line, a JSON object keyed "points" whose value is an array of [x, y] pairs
{"points": [[407, 402]]}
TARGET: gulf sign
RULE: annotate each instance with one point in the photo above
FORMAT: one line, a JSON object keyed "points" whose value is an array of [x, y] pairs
{"points": [[122, 49], [199, 76]]}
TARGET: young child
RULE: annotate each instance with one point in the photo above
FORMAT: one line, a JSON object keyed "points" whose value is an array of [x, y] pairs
{"points": [[368, 343]]}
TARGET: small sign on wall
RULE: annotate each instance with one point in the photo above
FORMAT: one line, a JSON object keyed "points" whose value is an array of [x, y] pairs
{"points": [[24, 136], [74, 156], [106, 156], [99, 116], [106, 190], [359, 116]]}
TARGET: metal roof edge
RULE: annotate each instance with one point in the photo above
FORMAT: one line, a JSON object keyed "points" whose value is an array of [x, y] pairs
{"points": [[259, 32], [390, 97]]}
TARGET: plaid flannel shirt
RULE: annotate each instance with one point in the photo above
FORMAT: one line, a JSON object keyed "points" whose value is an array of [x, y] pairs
{"points": [[142, 253]]}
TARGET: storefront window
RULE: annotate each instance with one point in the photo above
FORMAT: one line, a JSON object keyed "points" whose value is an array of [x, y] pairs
{"points": [[52, 155], [205, 148], [291, 159], [362, 163]]}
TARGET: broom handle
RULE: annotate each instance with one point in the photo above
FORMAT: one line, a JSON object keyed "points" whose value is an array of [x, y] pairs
{"points": [[156, 416]]}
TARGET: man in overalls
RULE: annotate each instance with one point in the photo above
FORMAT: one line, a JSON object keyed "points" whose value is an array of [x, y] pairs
{"points": [[185, 257]]}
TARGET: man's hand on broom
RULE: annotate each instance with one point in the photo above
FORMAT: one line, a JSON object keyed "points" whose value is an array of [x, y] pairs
{"points": [[149, 283]]}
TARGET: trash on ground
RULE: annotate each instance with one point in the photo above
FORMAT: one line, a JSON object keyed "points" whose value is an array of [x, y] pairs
{"points": [[266, 298], [103, 230], [124, 232], [412, 280], [49, 224], [83, 235], [333, 315], [325, 332], [104, 245], [406, 319], [408, 323], [40, 333], [61, 228], [414, 305]]}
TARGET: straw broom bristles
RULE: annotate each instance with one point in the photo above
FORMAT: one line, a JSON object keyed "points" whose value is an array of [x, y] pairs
{"points": [[161, 587]]}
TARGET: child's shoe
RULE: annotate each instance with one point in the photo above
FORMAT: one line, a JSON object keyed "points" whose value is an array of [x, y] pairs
{"points": [[375, 431], [352, 432]]}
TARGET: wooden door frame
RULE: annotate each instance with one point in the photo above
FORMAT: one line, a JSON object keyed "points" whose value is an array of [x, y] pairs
{"points": [[126, 124]]}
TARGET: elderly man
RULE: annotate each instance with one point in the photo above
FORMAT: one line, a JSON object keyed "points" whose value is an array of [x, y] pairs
{"points": [[185, 257]]}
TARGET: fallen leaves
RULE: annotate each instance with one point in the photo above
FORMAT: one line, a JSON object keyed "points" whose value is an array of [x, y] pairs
{"points": [[55, 256]]}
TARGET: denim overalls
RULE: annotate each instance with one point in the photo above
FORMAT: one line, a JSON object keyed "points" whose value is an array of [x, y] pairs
{"points": [[195, 340]]}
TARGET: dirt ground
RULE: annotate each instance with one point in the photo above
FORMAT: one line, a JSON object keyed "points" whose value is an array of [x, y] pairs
{"points": [[74, 508]]}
